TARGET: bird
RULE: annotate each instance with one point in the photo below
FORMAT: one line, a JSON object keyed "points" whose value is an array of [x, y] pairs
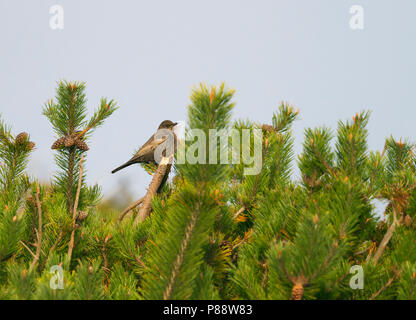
{"points": [[146, 152]]}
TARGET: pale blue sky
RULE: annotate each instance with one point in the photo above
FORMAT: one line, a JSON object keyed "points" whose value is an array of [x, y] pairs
{"points": [[148, 54]]}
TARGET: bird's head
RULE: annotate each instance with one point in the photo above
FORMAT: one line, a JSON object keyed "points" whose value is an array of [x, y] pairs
{"points": [[167, 124]]}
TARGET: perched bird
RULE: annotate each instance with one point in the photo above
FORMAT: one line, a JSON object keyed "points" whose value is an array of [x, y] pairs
{"points": [[146, 152]]}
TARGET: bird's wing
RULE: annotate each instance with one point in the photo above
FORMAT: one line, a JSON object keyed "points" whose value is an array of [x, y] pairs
{"points": [[148, 148]]}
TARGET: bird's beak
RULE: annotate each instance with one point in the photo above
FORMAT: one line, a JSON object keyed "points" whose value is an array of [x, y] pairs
{"points": [[175, 123]]}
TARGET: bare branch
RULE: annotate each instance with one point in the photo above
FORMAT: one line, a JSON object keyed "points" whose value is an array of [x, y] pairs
{"points": [[396, 274], [157, 180], [386, 238], [240, 211], [129, 208], [60, 235], [28, 249], [39, 231]]}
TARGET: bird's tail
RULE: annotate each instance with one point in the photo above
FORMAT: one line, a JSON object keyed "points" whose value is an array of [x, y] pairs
{"points": [[128, 163]]}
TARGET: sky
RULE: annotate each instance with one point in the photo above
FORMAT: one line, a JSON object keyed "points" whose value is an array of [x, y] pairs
{"points": [[148, 55]]}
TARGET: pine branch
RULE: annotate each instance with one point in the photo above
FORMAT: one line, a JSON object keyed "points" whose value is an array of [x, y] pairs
{"points": [[396, 274], [39, 232], [74, 214], [158, 177], [179, 258], [177, 252], [28, 249], [105, 260], [351, 146], [67, 116], [240, 211], [316, 160], [105, 110], [70, 179], [386, 238], [284, 118], [55, 244]]}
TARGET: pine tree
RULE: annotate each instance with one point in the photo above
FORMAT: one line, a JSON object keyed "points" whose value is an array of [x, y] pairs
{"points": [[213, 232], [68, 118], [177, 257], [14, 186], [40, 222]]}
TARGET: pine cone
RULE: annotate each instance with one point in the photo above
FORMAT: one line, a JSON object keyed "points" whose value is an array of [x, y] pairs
{"points": [[267, 127], [69, 141], [81, 145], [297, 291], [21, 138], [82, 215], [58, 143], [30, 146]]}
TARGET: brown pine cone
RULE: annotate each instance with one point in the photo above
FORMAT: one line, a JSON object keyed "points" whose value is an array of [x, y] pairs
{"points": [[30, 146], [21, 138], [267, 127], [69, 141], [58, 143], [82, 215], [81, 145], [297, 291]]}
